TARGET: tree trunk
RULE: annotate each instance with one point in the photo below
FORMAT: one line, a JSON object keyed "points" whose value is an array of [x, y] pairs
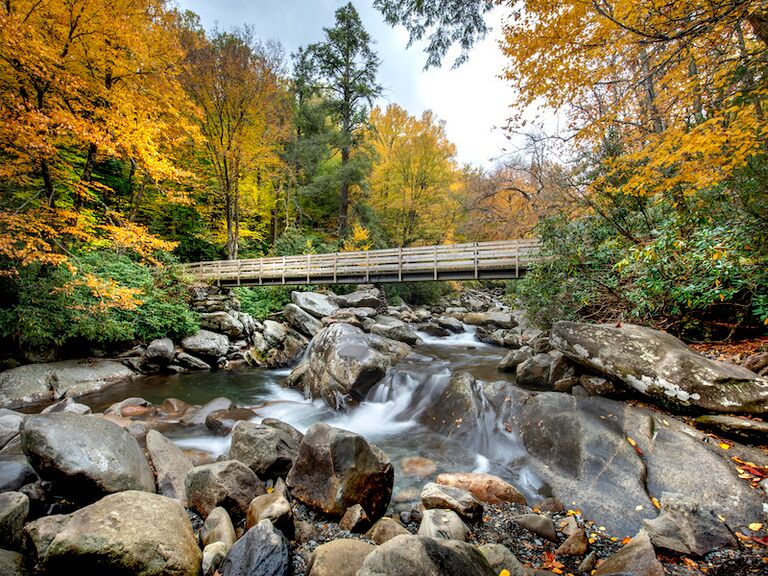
{"points": [[50, 191], [90, 160]]}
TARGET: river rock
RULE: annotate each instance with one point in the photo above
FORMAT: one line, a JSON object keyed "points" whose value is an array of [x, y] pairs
{"points": [[10, 424], [534, 372], [394, 329], [451, 324], [171, 466], [734, 427], [218, 527], [344, 362], [267, 450], [342, 557], [662, 367], [191, 362], [38, 383], [12, 564], [302, 320], [459, 408], [213, 557], [274, 332], [686, 527], [501, 558], [514, 358], [223, 323], [451, 498], [319, 305], [385, 529], [576, 544], [485, 487], [14, 508], [597, 385], [126, 533], [229, 484], [355, 520], [85, 456], [198, 416], [408, 555], [580, 447], [445, 524], [160, 351], [336, 469], [495, 319], [369, 298], [417, 467], [756, 362], [209, 345], [273, 507], [67, 405], [636, 558], [262, 551], [15, 472], [537, 524], [221, 422]]}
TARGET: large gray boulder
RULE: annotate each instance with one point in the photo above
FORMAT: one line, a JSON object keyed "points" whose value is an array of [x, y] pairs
{"points": [[534, 372], [38, 383], [342, 557], [319, 305], [662, 367], [364, 298], [262, 551], [451, 498], [229, 484], [10, 424], [223, 323], [636, 558], [494, 318], [14, 508], [15, 472], [407, 555], [344, 363], [206, 344], [301, 320], [612, 459], [436, 523], [267, 450], [458, 409], [122, 534], [85, 456], [171, 466], [394, 329], [160, 351], [336, 469]]}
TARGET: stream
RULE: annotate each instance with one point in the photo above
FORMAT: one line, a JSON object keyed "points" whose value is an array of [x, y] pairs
{"points": [[388, 417]]}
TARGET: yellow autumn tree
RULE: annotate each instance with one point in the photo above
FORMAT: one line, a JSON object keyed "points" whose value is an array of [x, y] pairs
{"points": [[414, 183]]}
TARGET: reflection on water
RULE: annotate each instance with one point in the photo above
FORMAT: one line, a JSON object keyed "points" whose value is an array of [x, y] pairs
{"points": [[389, 416]]}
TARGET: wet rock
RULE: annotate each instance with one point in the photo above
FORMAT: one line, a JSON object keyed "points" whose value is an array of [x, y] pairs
{"points": [[597, 385], [191, 362], [221, 422], [537, 524], [501, 558], [229, 484], [197, 417], [394, 329], [85, 456], [636, 558], [12, 564], [218, 527], [496, 319], [345, 362], [342, 557], [67, 405], [14, 508], [319, 305], [15, 472], [301, 320], [262, 551], [171, 466], [589, 563], [267, 450], [485, 487], [451, 498], [451, 324], [222, 323], [370, 298], [130, 532], [534, 372], [575, 545], [566, 385], [385, 529], [127, 404], [355, 520], [273, 507], [445, 524], [10, 424], [274, 332], [686, 527], [37, 383], [420, 556], [551, 505], [734, 427], [336, 469], [458, 410], [756, 362], [561, 367], [433, 330], [207, 344], [213, 557], [417, 467], [661, 367], [160, 351], [514, 358]]}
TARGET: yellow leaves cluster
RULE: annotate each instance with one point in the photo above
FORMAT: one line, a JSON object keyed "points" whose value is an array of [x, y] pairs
{"points": [[358, 241], [108, 293]]}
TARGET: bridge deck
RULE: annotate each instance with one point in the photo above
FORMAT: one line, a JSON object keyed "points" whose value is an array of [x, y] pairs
{"points": [[476, 261]]}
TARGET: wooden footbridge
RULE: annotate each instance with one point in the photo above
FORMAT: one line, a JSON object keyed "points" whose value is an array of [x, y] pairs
{"points": [[476, 261]]}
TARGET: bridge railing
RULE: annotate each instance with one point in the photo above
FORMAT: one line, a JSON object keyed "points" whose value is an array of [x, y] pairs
{"points": [[393, 264]]}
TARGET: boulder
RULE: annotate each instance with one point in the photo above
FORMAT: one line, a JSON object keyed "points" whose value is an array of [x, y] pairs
{"points": [[514, 358], [408, 555], [534, 372], [218, 527], [451, 498], [160, 351], [355, 520], [221, 422], [417, 467], [10, 424], [342, 557], [67, 405], [170, 464], [538, 524], [273, 507], [661, 367], [209, 345], [213, 557], [485, 487], [747, 429], [301, 320], [12, 564], [262, 551], [445, 524], [368, 298], [385, 529], [344, 363], [191, 362], [198, 416], [222, 323], [597, 385], [274, 332], [14, 508], [336, 469], [229, 484], [267, 450], [126, 533], [318, 305], [576, 544], [501, 558], [459, 408], [636, 558], [686, 527], [15, 472], [495, 319], [451, 324], [38, 383], [85, 456], [394, 329]]}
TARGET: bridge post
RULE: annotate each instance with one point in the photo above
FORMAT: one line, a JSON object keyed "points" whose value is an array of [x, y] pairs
{"points": [[517, 261], [367, 267], [435, 262], [477, 261], [400, 265], [335, 266], [309, 263], [283, 269], [218, 273], [261, 271], [239, 271]]}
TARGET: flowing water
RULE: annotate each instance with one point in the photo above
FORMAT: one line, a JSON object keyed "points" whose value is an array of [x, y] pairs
{"points": [[389, 417]]}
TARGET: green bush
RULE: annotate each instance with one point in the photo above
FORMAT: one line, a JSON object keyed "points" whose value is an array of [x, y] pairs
{"points": [[417, 293], [261, 301]]}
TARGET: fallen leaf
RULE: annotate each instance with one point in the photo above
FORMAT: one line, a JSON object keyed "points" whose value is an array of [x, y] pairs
{"points": [[505, 572], [725, 446], [755, 526], [656, 502], [626, 540], [690, 563]]}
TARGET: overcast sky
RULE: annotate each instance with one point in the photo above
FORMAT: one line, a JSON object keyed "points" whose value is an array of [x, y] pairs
{"points": [[472, 100]]}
